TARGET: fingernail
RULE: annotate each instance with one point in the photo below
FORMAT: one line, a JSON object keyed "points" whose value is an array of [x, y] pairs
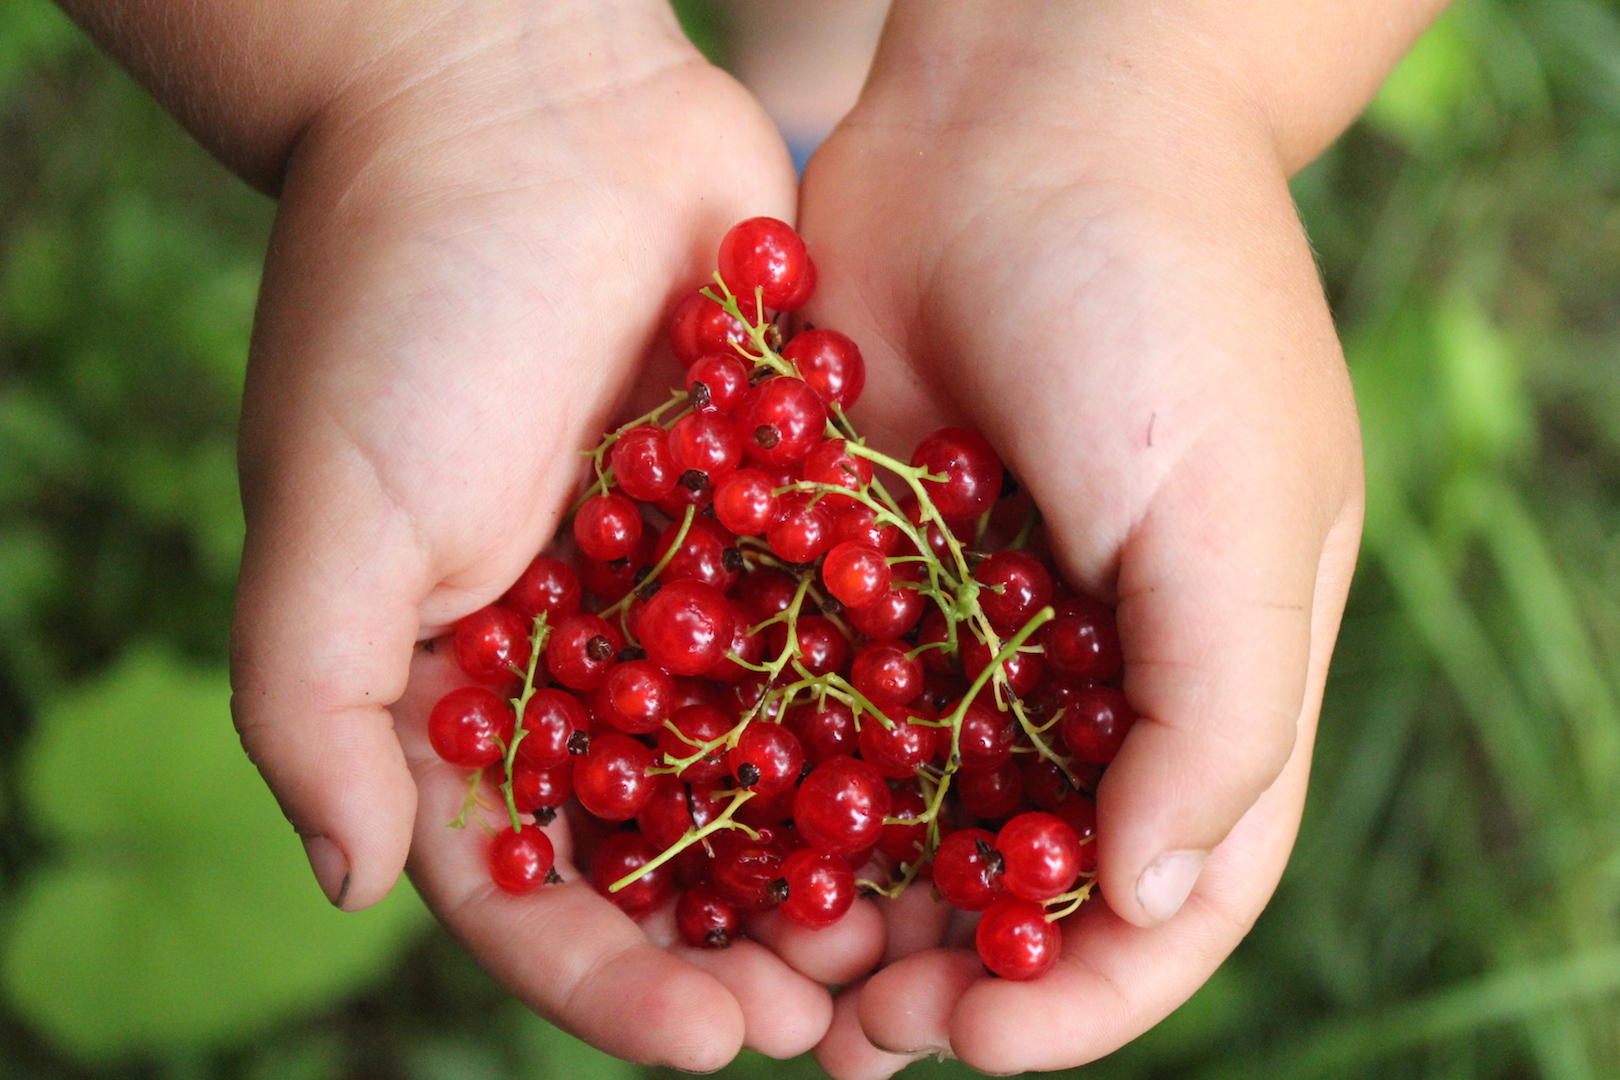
{"points": [[1163, 886], [331, 868]]}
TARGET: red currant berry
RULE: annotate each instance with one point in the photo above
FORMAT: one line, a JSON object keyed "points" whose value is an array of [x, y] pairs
{"points": [[491, 643], [935, 632], [686, 628], [534, 788], [611, 778], [856, 574], [550, 720], [779, 421], [1015, 941], [986, 739], [1096, 724], [640, 696], [962, 530], [831, 463], [1040, 855], [548, 585], [699, 724], [1023, 669], [680, 497], [897, 751], [642, 466], [749, 648], [609, 581], [743, 870], [469, 726], [766, 759], [831, 363], [967, 869], [858, 524], [625, 853], [746, 502], [904, 843], [802, 530], [666, 815], [520, 861], [1025, 587], [1083, 642], [822, 650], [708, 554], [766, 254], [765, 592], [1080, 814], [991, 794], [971, 471], [700, 326], [825, 731], [885, 674], [607, 526], [704, 448], [820, 889], [1045, 784], [896, 611], [705, 920], [840, 806], [582, 651], [717, 382]]}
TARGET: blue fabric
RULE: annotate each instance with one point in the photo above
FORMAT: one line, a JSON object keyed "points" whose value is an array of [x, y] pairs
{"points": [[801, 149]]}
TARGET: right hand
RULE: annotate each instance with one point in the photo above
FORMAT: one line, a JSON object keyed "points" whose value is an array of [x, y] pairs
{"points": [[465, 274]]}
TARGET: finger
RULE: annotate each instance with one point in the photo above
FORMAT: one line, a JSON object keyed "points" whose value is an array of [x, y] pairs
{"points": [[1219, 590], [907, 1007], [321, 642], [566, 952], [916, 920], [838, 954], [785, 1014], [845, 1054]]}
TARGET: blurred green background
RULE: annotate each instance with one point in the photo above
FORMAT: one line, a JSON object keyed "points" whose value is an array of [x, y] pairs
{"points": [[1452, 910]]}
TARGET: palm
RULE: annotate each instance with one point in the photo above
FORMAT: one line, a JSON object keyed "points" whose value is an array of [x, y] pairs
{"points": [[1174, 399]]}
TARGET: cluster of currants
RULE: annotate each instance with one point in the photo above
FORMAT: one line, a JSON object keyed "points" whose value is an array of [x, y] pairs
{"points": [[768, 681]]}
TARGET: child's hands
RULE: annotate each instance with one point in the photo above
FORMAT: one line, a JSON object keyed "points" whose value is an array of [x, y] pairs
{"points": [[1113, 285], [466, 273]]}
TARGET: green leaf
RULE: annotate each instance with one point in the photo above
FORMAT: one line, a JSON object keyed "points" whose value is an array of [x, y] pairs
{"points": [[181, 912]]}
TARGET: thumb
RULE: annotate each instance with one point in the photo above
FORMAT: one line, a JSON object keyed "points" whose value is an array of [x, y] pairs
{"points": [[1217, 590]]}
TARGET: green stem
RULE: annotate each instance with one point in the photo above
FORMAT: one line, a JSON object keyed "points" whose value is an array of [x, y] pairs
{"points": [[691, 836], [537, 645], [658, 567]]}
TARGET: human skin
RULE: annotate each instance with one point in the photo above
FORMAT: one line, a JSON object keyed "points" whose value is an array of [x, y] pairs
{"points": [[1068, 224], [1064, 223]]}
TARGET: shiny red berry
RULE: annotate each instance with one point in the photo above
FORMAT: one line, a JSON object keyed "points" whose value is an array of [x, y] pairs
{"points": [[967, 869], [699, 326], [896, 751], [831, 363], [840, 806], [491, 644], [896, 611], [820, 888], [686, 627], [991, 794], [1096, 723], [822, 648], [607, 526], [520, 861], [642, 466], [766, 254], [534, 788], [705, 920], [699, 724], [766, 759], [856, 574], [802, 531], [885, 674], [582, 651], [779, 421], [765, 592], [904, 843], [468, 727], [624, 853], [548, 585], [987, 737], [1040, 856], [743, 870], [708, 553], [717, 382], [971, 471], [704, 448], [611, 777], [610, 580], [747, 647], [1023, 669], [858, 524], [831, 463], [825, 731], [640, 696], [1083, 641], [550, 721], [746, 502], [1015, 941], [1024, 588]]}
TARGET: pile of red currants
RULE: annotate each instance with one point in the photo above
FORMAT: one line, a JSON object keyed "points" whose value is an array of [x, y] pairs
{"points": [[786, 669]]}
